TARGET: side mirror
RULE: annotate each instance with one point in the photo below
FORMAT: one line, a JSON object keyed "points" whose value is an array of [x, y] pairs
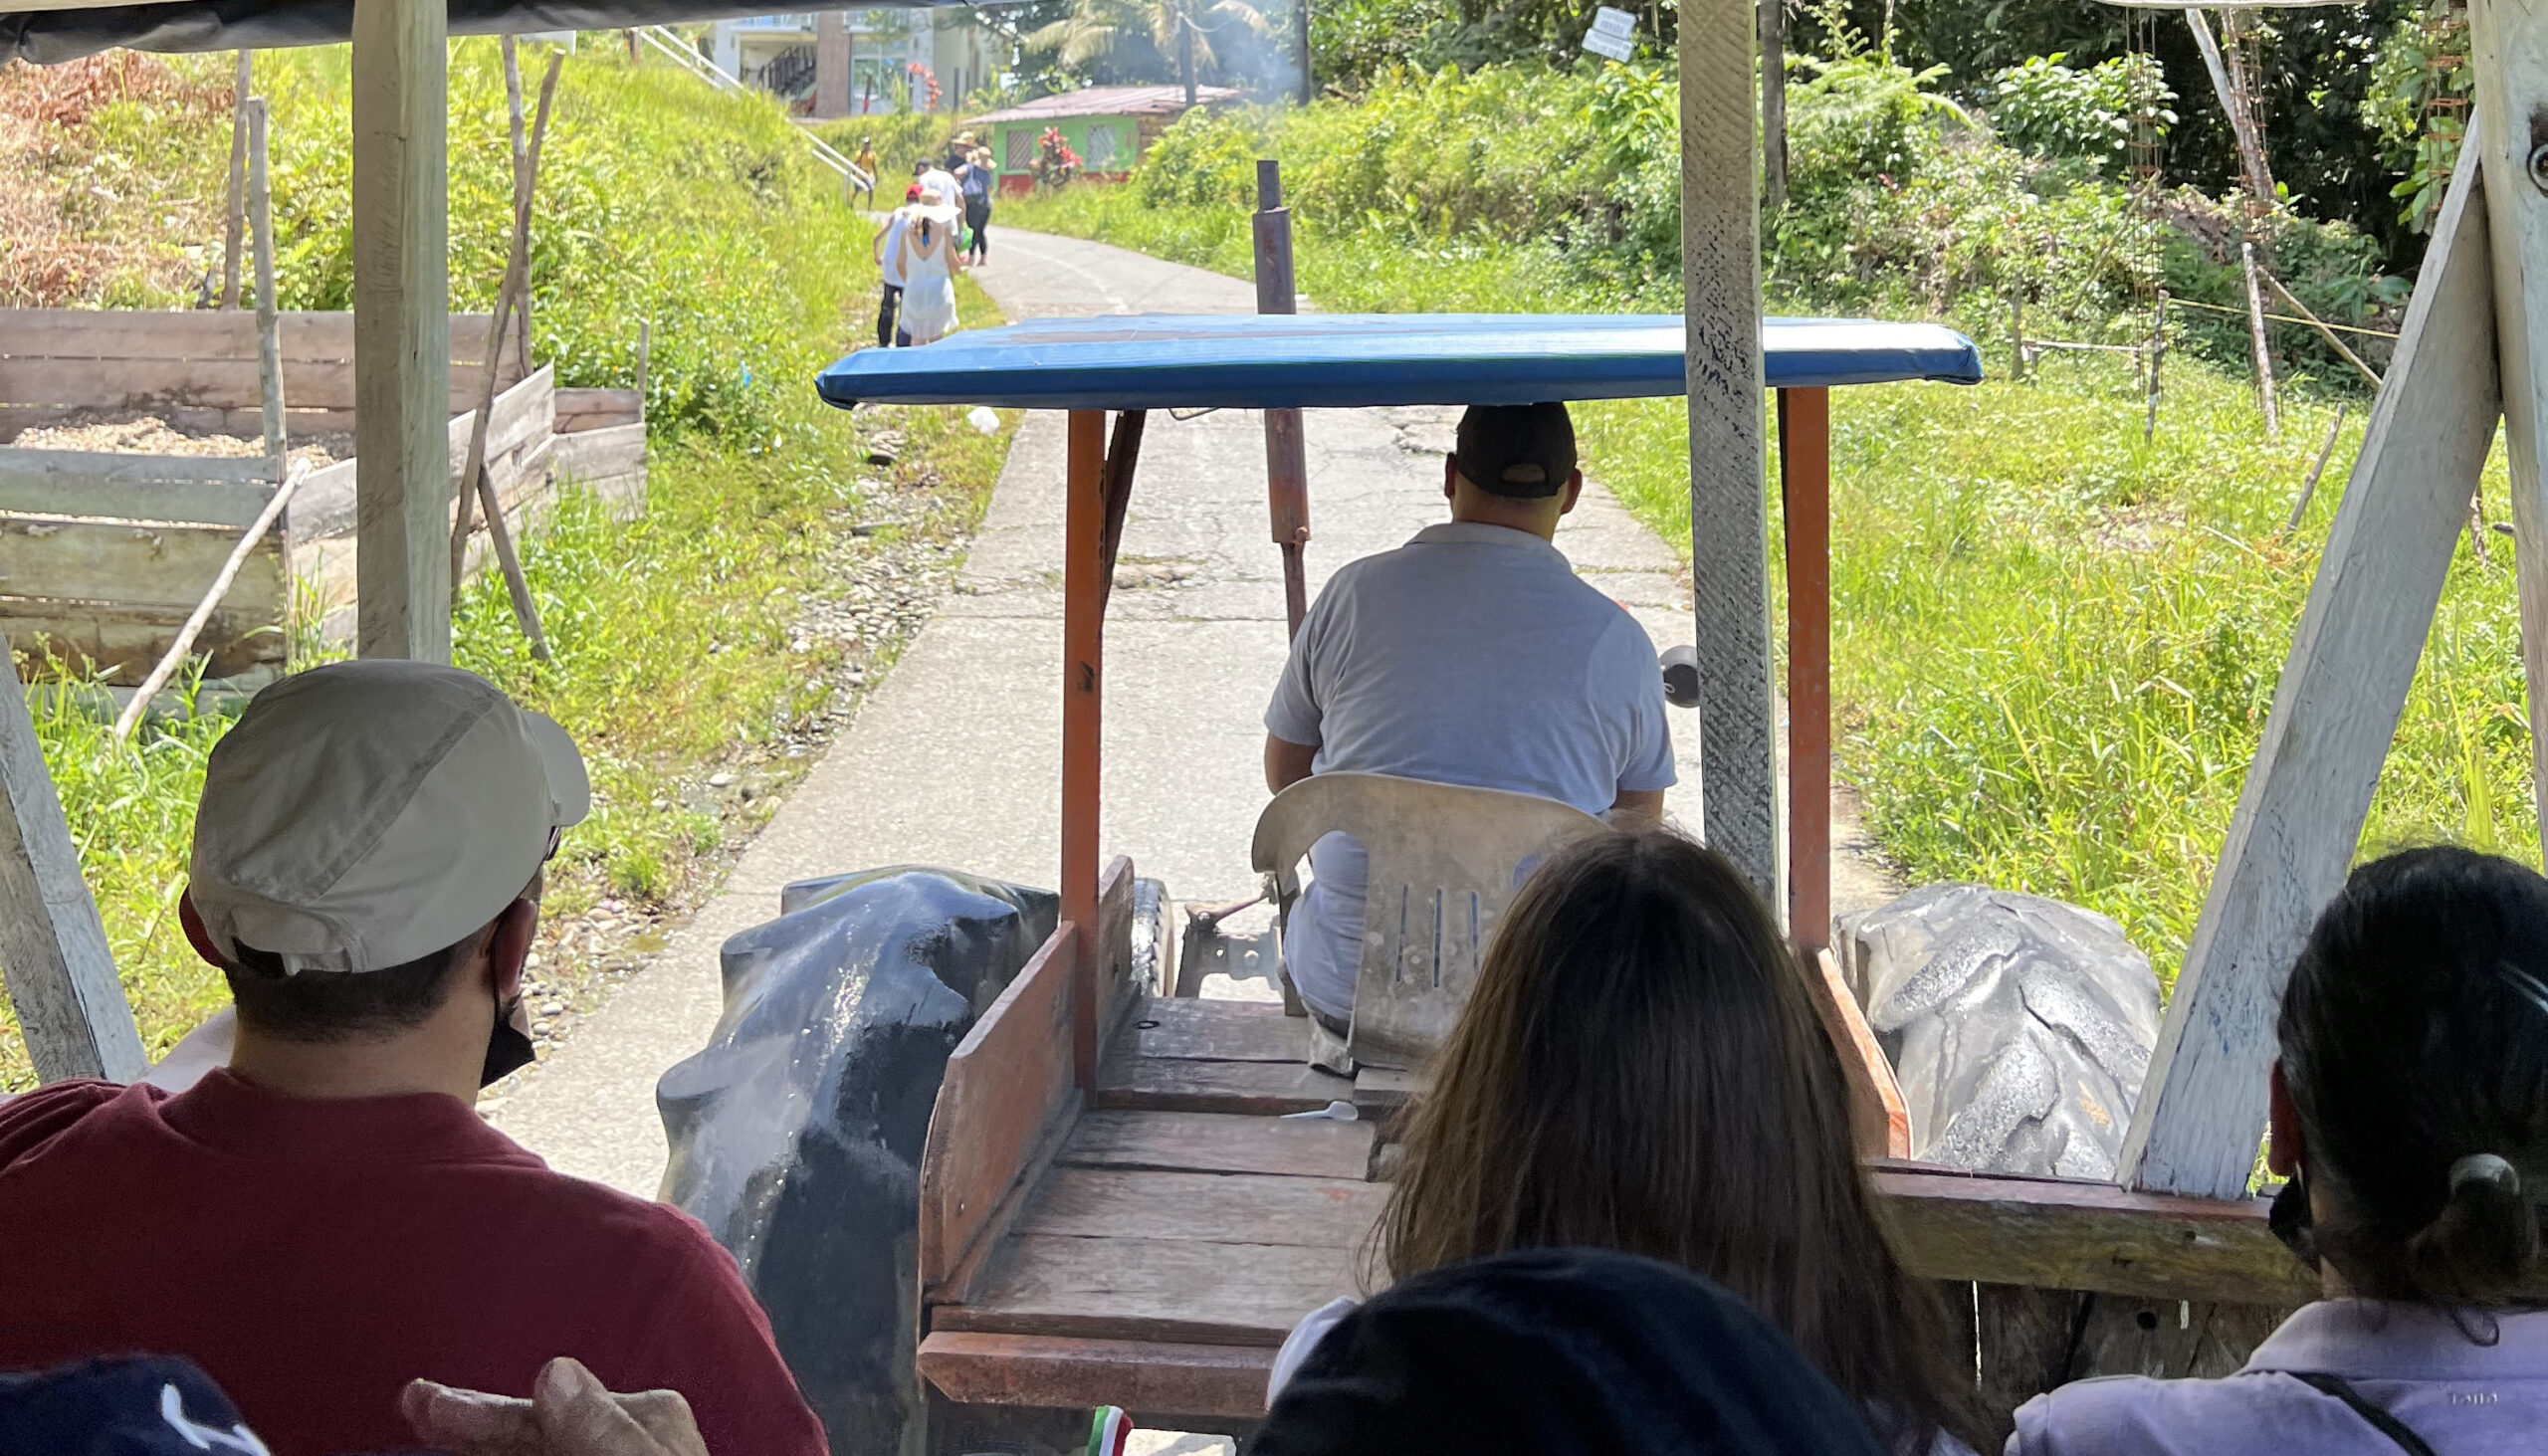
{"points": [[1681, 677]]}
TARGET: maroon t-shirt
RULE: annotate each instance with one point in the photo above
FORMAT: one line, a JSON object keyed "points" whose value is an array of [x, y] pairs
{"points": [[315, 1256]]}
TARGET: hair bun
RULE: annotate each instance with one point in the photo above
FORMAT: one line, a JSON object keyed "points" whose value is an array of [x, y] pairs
{"points": [[2484, 1242], [2486, 1167]]}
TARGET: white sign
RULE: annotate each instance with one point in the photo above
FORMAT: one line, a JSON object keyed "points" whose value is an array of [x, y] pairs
{"points": [[1613, 34]]}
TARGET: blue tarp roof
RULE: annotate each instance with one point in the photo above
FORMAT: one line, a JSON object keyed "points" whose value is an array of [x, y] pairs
{"points": [[1320, 360]]}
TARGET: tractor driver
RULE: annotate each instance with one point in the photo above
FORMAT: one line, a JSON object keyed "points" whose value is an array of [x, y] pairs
{"points": [[1472, 655]]}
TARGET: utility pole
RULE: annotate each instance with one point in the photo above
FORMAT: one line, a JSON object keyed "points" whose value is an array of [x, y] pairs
{"points": [[1301, 41]]}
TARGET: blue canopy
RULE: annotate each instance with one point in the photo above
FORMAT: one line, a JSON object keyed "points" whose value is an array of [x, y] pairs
{"points": [[1321, 360]]}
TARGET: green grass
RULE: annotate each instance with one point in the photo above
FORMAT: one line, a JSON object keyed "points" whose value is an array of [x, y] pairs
{"points": [[672, 638], [2054, 644]]}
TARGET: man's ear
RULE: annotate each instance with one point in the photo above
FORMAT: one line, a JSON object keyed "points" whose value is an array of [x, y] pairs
{"points": [[1451, 477], [1574, 491], [196, 934], [2286, 1148], [509, 947]]}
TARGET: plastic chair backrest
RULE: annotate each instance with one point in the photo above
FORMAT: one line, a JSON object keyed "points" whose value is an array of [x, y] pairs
{"points": [[1445, 862]]}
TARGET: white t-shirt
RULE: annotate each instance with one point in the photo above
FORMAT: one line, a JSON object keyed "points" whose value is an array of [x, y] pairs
{"points": [[1472, 655], [891, 260], [948, 194]]}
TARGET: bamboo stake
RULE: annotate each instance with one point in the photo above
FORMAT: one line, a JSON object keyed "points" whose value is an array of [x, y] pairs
{"points": [[2309, 487], [2157, 355], [2234, 107], [183, 644], [521, 163], [2257, 345], [236, 207], [260, 211], [474, 478], [2320, 324]]}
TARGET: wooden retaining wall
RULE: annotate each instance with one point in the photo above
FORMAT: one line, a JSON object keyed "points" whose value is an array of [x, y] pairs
{"points": [[103, 555], [197, 371]]}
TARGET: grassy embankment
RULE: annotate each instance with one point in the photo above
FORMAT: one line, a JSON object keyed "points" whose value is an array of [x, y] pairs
{"points": [[2055, 643], [677, 639]]}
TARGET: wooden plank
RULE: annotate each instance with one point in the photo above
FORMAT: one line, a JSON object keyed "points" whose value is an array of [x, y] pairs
{"points": [[2057, 1234], [1729, 507], [240, 421], [1218, 1031], [53, 950], [1176, 1289], [128, 563], [210, 489], [1007, 1085], [154, 386], [1187, 1085], [2510, 49], [601, 454], [1090, 1202], [402, 341], [136, 333], [1311, 1148], [1878, 1117], [2335, 709], [121, 642], [599, 409], [1385, 1091], [324, 505], [1116, 991], [1147, 1377]]}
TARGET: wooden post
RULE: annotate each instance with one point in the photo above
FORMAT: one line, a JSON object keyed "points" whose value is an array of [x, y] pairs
{"points": [[53, 948], [1774, 105], [2509, 52], [235, 208], [1083, 686], [1729, 499], [2309, 487], [2335, 709], [268, 316], [1287, 470], [519, 265], [402, 331], [1301, 44], [1804, 489], [2258, 346]]}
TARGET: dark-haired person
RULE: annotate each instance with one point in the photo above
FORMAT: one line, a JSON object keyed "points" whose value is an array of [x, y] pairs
{"points": [[326, 1218], [2411, 1116], [1559, 1352], [1472, 655], [1638, 1068]]}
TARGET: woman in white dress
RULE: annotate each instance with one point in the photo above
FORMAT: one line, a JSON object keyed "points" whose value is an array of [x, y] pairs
{"points": [[930, 260]]}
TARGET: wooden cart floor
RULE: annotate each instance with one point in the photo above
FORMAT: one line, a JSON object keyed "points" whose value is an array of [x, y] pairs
{"points": [[1182, 1230]]}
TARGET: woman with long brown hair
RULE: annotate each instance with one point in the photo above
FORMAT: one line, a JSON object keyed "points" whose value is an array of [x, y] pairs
{"points": [[1639, 1069]]}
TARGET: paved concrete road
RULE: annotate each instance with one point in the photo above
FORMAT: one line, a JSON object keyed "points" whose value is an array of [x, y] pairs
{"points": [[955, 759]]}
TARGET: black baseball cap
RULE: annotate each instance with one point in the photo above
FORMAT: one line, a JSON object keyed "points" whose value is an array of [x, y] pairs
{"points": [[1524, 451]]}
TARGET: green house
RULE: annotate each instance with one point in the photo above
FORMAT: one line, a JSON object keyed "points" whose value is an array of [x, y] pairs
{"points": [[1110, 127]]}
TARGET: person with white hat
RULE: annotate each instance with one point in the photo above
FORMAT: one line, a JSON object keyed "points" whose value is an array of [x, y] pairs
{"points": [[326, 1217]]}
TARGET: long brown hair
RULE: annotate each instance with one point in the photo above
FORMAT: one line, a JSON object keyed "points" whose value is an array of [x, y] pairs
{"points": [[1639, 1069]]}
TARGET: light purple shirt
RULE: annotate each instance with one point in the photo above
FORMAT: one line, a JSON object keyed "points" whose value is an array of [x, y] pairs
{"points": [[2463, 1397]]}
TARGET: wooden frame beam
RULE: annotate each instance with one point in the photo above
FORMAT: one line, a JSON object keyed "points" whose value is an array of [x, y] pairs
{"points": [[2509, 50], [53, 948], [1805, 511], [2335, 708], [402, 328], [1083, 694], [1729, 499]]}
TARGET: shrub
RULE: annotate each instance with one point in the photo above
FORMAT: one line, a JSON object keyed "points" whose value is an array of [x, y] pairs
{"points": [[2092, 115], [1206, 159]]}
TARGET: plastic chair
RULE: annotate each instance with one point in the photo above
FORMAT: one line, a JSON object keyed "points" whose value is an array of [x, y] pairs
{"points": [[1443, 868]]}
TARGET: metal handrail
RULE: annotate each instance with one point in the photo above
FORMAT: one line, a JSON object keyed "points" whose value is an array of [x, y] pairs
{"points": [[670, 43]]}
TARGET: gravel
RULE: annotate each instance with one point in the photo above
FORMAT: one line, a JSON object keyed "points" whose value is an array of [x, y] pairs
{"points": [[150, 435]]}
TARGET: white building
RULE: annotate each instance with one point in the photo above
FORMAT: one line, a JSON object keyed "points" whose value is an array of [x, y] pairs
{"points": [[783, 54]]}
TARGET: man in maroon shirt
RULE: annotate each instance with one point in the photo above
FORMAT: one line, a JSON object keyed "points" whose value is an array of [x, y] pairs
{"points": [[326, 1218]]}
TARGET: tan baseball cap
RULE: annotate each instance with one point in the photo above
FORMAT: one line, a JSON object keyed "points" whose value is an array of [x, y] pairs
{"points": [[365, 814]]}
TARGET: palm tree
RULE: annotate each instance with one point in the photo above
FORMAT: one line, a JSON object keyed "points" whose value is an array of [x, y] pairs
{"points": [[1093, 27]]}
